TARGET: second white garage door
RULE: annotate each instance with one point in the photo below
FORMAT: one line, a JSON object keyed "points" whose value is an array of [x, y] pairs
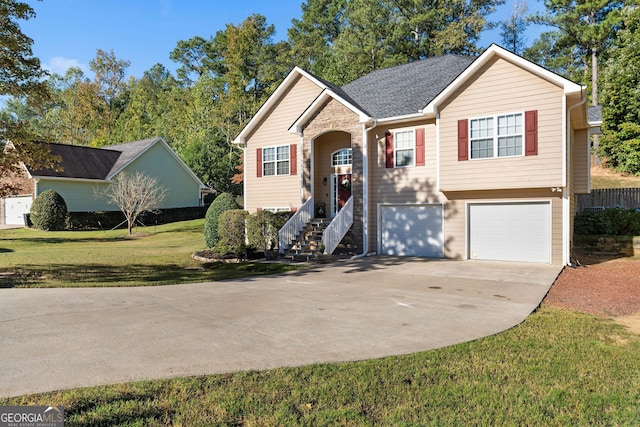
{"points": [[14, 209], [411, 230], [510, 232]]}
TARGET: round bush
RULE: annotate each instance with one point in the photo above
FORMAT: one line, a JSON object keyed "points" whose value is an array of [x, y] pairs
{"points": [[223, 202], [49, 211]]}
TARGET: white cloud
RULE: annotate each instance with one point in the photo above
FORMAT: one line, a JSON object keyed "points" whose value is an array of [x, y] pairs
{"points": [[60, 65]]}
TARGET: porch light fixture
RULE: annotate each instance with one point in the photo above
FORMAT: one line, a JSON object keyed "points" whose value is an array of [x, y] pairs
{"points": [[324, 181]]}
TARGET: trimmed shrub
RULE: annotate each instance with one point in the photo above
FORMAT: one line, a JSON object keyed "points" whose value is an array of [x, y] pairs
{"points": [[612, 222], [231, 230], [222, 203], [262, 232], [49, 211]]}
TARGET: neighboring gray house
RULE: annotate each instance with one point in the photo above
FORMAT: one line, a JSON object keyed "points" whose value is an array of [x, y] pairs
{"points": [[86, 169]]}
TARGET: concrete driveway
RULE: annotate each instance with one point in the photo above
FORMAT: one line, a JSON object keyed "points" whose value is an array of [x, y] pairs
{"points": [[53, 339]]}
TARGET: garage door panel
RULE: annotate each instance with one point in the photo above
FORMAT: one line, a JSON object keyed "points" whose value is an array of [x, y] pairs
{"points": [[412, 230], [510, 232], [14, 209]]}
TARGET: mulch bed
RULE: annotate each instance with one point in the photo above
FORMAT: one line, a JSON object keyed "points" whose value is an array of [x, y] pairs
{"points": [[604, 287]]}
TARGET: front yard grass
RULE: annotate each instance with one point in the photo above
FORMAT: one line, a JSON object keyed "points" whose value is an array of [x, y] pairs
{"points": [[153, 256], [558, 368]]}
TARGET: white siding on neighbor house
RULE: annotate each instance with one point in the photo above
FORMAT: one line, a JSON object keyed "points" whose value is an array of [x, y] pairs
{"points": [[281, 191], [502, 88]]}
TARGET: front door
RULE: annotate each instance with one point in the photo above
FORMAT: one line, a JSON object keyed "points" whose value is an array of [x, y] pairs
{"points": [[340, 191]]}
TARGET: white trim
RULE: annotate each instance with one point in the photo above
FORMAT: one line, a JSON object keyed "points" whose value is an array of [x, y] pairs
{"points": [[395, 145], [343, 164], [406, 117], [437, 151], [275, 161], [496, 136], [467, 209], [277, 209], [492, 51], [275, 96], [65, 178]]}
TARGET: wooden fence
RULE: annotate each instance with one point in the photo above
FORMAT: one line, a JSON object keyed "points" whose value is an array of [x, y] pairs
{"points": [[627, 198]]}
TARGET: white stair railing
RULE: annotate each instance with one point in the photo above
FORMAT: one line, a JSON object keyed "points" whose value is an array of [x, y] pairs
{"points": [[295, 225], [339, 226]]}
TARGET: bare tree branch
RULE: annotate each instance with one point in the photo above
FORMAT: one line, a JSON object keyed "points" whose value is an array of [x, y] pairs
{"points": [[133, 194]]}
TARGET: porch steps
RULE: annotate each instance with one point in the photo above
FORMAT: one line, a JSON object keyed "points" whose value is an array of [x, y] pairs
{"points": [[308, 241]]}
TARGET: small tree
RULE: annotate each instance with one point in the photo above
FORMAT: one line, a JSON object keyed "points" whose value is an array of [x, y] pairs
{"points": [[223, 202], [262, 232], [231, 230], [49, 211], [134, 194]]}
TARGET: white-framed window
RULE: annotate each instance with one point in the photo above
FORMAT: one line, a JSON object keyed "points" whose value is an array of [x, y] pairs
{"points": [[404, 148], [341, 157], [275, 160], [496, 136], [276, 210]]}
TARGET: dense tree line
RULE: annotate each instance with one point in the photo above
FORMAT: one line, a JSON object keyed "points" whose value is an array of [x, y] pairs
{"points": [[222, 80]]}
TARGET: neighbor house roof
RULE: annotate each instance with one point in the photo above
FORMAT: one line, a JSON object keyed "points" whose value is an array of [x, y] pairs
{"points": [[595, 114], [78, 161], [81, 162]]}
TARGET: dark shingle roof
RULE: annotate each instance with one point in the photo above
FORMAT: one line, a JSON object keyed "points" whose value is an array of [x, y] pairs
{"points": [[595, 113], [83, 162], [405, 89]]}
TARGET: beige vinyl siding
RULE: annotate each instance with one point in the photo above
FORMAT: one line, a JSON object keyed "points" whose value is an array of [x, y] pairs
{"points": [[501, 88], [455, 229], [278, 191], [580, 160], [403, 185]]}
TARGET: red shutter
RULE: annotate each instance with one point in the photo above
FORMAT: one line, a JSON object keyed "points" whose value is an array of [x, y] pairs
{"points": [[259, 163], [463, 140], [293, 159], [420, 147], [531, 133], [388, 139]]}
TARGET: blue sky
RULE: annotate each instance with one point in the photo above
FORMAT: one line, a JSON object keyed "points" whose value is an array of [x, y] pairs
{"points": [[69, 32]]}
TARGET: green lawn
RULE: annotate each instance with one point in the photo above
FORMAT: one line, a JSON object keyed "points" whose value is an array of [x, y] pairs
{"points": [[558, 368], [155, 256]]}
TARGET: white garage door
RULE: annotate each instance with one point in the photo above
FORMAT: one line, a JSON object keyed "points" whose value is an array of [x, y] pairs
{"points": [[510, 232], [414, 230], [14, 209]]}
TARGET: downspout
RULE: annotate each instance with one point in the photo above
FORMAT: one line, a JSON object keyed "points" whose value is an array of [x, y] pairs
{"points": [[243, 147], [566, 202], [365, 187]]}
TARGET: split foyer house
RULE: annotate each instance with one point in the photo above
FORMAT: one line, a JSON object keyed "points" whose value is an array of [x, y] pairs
{"points": [[447, 157], [85, 169]]}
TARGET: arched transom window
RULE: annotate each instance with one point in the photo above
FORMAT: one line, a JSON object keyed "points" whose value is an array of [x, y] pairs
{"points": [[341, 157]]}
